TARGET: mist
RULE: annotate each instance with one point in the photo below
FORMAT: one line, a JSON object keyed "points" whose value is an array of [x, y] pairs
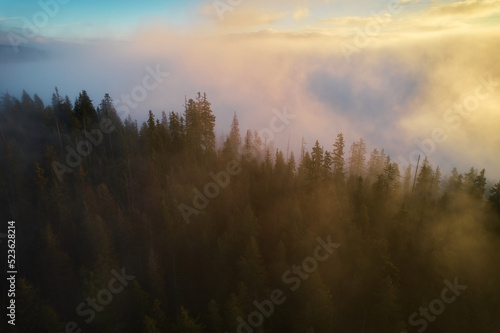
{"points": [[235, 166]]}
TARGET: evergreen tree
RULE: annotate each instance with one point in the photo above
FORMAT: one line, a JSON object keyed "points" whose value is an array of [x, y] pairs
{"points": [[150, 325], [249, 153], [62, 110], [479, 186], [185, 323], [85, 115], [208, 123], [291, 164], [252, 271], [327, 173], [214, 317], [279, 163], [338, 159], [385, 190], [357, 159], [314, 165], [194, 128], [455, 182], [176, 130], [232, 144], [469, 180], [494, 197], [407, 179], [424, 179]]}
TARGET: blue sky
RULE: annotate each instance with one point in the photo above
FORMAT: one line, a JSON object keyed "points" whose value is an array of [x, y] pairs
{"points": [[97, 19], [317, 58]]}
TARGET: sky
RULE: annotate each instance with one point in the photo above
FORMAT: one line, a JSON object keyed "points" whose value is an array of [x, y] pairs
{"points": [[412, 77]]}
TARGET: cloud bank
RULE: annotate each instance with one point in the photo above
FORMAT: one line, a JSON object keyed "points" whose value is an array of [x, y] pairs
{"points": [[394, 92]]}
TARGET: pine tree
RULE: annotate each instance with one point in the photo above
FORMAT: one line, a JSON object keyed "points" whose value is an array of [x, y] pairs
{"points": [[85, 114], [232, 144], [479, 186], [214, 317], [455, 182], [327, 173], [38, 104], [376, 164], [149, 325], [62, 111], [338, 159], [469, 179], [185, 323], [314, 165], [303, 169], [194, 128], [27, 103], [107, 110], [436, 181], [357, 159], [279, 163], [258, 145], [385, 190], [407, 179], [249, 153], [494, 197], [252, 271], [176, 130], [424, 179], [207, 123], [291, 164], [151, 131]]}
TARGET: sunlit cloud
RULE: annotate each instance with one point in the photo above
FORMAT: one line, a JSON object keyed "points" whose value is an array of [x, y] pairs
{"points": [[249, 18], [349, 21], [466, 9], [301, 13], [435, 18]]}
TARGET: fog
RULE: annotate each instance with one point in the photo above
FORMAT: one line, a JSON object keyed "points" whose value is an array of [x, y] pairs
{"points": [[250, 166], [393, 93]]}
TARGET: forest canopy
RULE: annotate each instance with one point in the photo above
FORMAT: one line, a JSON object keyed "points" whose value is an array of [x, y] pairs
{"points": [[188, 235]]}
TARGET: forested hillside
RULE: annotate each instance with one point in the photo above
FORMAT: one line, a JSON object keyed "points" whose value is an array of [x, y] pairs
{"points": [[155, 227]]}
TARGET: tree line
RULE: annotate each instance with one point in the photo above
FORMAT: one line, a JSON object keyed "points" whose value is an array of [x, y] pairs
{"points": [[403, 230]]}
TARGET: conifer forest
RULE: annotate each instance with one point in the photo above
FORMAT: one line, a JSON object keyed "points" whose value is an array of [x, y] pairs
{"points": [[249, 166], [163, 226]]}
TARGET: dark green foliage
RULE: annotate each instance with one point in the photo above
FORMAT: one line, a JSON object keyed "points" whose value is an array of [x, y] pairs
{"points": [[119, 208]]}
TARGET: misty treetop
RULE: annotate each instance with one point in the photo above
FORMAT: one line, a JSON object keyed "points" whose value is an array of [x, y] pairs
{"points": [[94, 195]]}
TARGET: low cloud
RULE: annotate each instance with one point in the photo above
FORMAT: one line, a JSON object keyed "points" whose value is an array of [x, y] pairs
{"points": [[392, 93], [301, 13], [468, 9], [348, 21]]}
